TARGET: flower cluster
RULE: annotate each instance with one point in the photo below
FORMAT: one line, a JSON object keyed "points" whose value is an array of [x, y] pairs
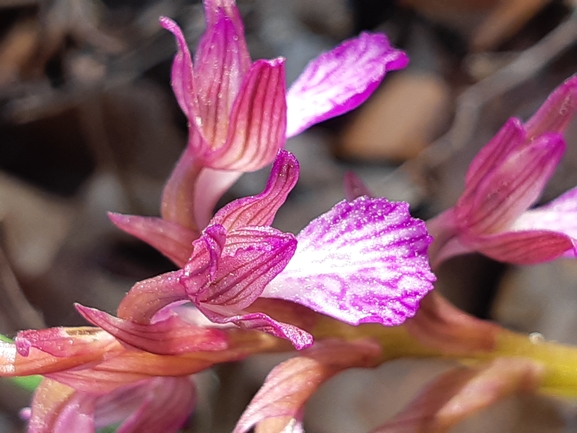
{"points": [[242, 286], [503, 181], [337, 292]]}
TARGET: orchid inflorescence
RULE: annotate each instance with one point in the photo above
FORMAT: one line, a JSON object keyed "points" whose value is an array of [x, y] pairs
{"points": [[345, 292]]}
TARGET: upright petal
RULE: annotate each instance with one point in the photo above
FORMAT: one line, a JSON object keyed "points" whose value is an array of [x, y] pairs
{"points": [[363, 261], [511, 187], [182, 76], [556, 112], [213, 10], [261, 209], [221, 61], [257, 125], [340, 80], [509, 137]]}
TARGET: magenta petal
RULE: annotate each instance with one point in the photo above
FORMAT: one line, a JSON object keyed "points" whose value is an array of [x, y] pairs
{"points": [[202, 267], [252, 257], [221, 61], [147, 297], [166, 406], [363, 261], [340, 80], [171, 336], [183, 74], [171, 239], [257, 321], [257, 126], [560, 214], [523, 247], [556, 112], [510, 136], [261, 209], [506, 192]]}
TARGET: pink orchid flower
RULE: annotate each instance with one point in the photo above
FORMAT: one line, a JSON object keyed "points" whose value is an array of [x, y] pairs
{"points": [[363, 261], [92, 379], [240, 113], [506, 177]]}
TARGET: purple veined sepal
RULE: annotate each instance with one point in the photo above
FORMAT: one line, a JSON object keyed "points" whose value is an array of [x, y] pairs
{"points": [[556, 112], [511, 185], [236, 112], [340, 80], [231, 263], [169, 336], [463, 391], [175, 241], [156, 404], [279, 405], [363, 261], [221, 94], [257, 120]]}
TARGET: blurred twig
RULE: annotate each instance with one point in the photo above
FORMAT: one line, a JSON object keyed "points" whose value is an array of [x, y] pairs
{"points": [[471, 101], [15, 310]]}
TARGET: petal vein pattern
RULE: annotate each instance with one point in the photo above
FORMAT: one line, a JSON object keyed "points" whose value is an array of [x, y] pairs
{"points": [[363, 261]]}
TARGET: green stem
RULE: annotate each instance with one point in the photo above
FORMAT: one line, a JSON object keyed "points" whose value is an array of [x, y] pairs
{"points": [[559, 361]]}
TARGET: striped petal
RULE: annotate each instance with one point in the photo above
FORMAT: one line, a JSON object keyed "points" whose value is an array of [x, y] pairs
{"points": [[511, 136], [560, 214], [340, 80], [171, 336], [522, 247], [261, 209], [298, 337], [221, 61], [251, 258], [363, 261], [556, 112], [182, 76], [512, 186], [257, 126]]}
